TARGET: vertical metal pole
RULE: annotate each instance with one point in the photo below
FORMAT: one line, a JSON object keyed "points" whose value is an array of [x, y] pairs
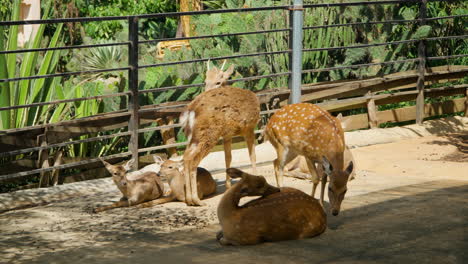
{"points": [[421, 67], [295, 59], [133, 104]]}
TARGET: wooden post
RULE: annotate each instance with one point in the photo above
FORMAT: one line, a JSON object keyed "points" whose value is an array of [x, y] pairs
{"points": [[133, 105], [466, 103], [55, 175], [421, 67], [43, 161], [372, 111]]}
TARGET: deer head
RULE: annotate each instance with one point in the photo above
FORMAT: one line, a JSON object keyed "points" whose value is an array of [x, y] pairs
{"points": [[251, 185], [216, 78], [336, 188]]}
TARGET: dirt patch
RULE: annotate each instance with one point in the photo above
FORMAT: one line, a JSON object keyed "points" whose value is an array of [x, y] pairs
{"points": [[460, 141], [392, 213]]}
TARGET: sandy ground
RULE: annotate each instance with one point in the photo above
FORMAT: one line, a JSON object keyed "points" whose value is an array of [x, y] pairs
{"points": [[408, 203]]}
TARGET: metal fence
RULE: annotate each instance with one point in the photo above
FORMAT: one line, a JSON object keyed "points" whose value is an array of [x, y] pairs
{"points": [[295, 51]]}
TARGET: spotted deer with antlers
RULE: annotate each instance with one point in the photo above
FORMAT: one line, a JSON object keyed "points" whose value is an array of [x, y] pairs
{"points": [[306, 129], [221, 111]]}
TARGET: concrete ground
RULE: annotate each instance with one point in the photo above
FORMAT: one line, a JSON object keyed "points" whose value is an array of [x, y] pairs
{"points": [[408, 203]]}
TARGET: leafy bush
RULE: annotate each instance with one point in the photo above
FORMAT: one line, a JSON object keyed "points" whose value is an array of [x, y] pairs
{"points": [[152, 28]]}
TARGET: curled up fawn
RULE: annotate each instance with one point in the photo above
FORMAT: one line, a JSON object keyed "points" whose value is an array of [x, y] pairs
{"points": [[280, 214], [173, 169], [136, 187]]}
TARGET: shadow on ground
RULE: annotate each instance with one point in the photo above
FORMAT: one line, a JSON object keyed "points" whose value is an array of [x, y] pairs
{"points": [[460, 141], [423, 223]]}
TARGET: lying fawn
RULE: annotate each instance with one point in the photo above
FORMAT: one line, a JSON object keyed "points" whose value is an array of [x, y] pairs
{"points": [[221, 111], [172, 170], [280, 214], [306, 129], [136, 187]]}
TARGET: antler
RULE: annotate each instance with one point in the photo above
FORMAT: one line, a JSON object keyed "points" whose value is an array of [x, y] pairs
{"points": [[208, 65], [222, 67]]}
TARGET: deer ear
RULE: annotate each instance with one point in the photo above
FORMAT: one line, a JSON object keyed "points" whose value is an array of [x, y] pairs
{"points": [[176, 157], [228, 72], [327, 167], [157, 159], [107, 165], [339, 117], [235, 173], [180, 166], [222, 66], [129, 164], [350, 168]]}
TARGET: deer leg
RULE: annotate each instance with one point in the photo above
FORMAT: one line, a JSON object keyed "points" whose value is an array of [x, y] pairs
{"points": [[322, 189], [314, 174], [157, 201], [108, 207], [193, 180], [250, 140], [187, 185], [284, 157], [227, 159], [192, 158]]}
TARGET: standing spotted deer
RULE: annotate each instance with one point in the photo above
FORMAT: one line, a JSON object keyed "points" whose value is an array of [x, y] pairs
{"points": [[221, 111], [306, 129]]}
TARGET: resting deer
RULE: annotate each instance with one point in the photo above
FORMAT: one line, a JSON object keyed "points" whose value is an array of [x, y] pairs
{"points": [[172, 170], [136, 187], [306, 129], [221, 111], [280, 214]]}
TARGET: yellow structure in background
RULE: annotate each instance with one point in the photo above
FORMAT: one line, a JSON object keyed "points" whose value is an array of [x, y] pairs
{"points": [[29, 10], [187, 29]]}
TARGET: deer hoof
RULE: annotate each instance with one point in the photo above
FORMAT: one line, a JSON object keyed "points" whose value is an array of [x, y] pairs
{"points": [[219, 235]]}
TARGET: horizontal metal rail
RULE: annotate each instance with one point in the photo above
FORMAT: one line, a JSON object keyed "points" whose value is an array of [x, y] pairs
{"points": [[215, 58], [447, 37], [361, 3], [363, 45], [59, 167], [161, 89], [359, 65], [215, 36], [67, 47], [63, 74], [447, 57], [160, 108], [362, 24], [144, 16], [64, 144], [444, 17], [401, 21], [202, 12], [383, 44], [65, 101]]}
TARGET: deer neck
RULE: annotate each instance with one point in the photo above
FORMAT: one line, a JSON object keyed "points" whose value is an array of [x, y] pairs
{"points": [[230, 202]]}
